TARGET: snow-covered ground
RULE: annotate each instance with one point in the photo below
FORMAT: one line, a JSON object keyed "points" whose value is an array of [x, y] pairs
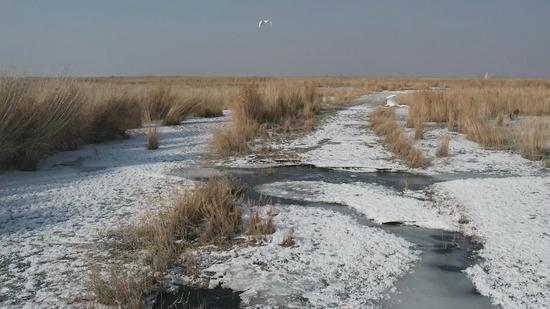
{"points": [[378, 203], [50, 219], [512, 218], [344, 140], [335, 262], [466, 156]]}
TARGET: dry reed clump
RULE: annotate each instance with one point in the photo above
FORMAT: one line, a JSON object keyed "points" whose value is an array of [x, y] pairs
{"points": [[443, 148], [233, 140], [158, 101], [470, 110], [418, 130], [38, 116], [110, 117], [209, 213], [153, 137], [530, 144], [33, 117], [152, 134], [172, 106], [162, 103], [119, 288], [271, 107], [382, 121], [500, 120], [211, 105], [181, 109], [288, 238], [257, 224]]}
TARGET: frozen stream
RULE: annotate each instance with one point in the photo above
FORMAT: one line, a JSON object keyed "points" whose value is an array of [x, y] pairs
{"points": [[436, 281]]}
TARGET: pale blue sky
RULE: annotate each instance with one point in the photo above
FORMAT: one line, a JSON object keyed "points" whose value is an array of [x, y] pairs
{"points": [[309, 37]]}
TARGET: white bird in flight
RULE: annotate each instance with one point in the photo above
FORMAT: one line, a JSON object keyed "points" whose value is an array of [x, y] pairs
{"points": [[265, 22]]}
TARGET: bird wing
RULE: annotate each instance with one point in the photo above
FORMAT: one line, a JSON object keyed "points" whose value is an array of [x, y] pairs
{"points": [[260, 23]]}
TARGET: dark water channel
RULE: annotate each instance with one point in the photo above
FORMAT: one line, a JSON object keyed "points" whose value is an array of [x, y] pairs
{"points": [[437, 280]]}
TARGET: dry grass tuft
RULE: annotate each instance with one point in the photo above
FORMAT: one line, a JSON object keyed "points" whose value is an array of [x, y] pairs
{"points": [[181, 109], [418, 130], [119, 288], [443, 149], [33, 117], [258, 224], [288, 238], [211, 105], [256, 109], [500, 120], [111, 117], [382, 121], [231, 140], [207, 214], [158, 102], [530, 144], [470, 109], [152, 134]]}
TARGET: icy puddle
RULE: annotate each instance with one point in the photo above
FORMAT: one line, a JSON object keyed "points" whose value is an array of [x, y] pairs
{"points": [[195, 298], [432, 277]]}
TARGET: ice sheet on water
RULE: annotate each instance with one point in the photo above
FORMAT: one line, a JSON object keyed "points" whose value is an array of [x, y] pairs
{"points": [[335, 262]]}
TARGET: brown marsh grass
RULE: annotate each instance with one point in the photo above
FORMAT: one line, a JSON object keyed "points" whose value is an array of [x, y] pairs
{"points": [[279, 107], [153, 137], [383, 123], [110, 117], [119, 288], [288, 238], [530, 144], [259, 224], [443, 148], [481, 113], [47, 114], [208, 213], [33, 117], [41, 115]]}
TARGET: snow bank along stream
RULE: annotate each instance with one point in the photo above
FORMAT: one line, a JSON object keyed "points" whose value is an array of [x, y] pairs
{"points": [[426, 274], [497, 197]]}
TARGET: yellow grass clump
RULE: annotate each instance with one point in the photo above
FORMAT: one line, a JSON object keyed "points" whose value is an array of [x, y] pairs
{"points": [[110, 117], [530, 144], [119, 288], [258, 109], [470, 110], [208, 213], [288, 238], [443, 148], [33, 118], [382, 121]]}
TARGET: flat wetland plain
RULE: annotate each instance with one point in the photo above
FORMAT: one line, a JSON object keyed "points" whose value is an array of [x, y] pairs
{"points": [[274, 192]]}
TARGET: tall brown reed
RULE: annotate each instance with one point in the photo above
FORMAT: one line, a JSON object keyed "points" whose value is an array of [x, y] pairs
{"points": [[382, 121], [272, 107], [443, 148], [32, 117], [469, 110]]}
